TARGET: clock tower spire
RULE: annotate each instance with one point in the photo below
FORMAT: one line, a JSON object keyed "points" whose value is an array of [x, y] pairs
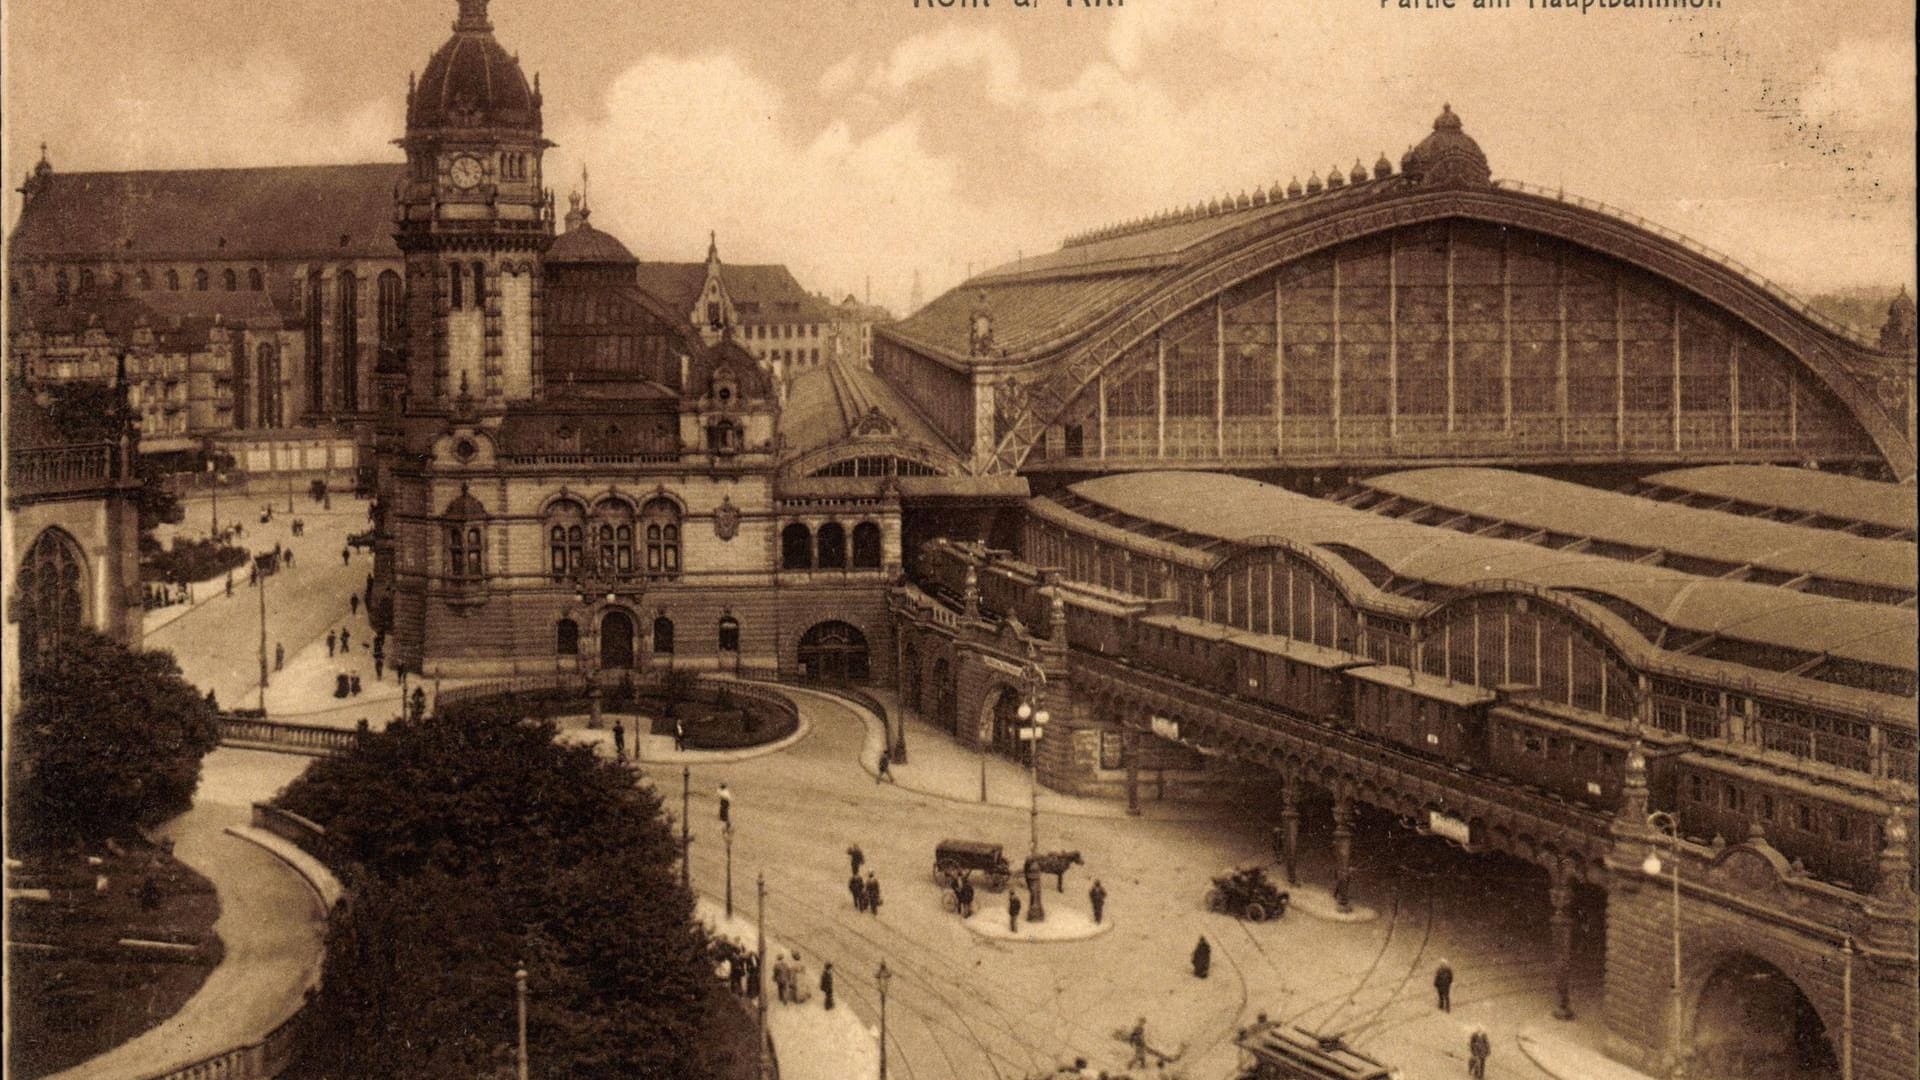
{"points": [[473, 221]]}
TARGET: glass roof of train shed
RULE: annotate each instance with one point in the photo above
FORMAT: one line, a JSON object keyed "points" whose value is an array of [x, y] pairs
{"points": [[1711, 543], [1824, 497], [1750, 624]]}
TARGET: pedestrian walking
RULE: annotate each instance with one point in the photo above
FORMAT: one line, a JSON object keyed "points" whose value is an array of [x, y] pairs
{"points": [[229, 583], [288, 555], [873, 895], [826, 983], [253, 575], [856, 857], [753, 976], [279, 656], [797, 980], [966, 896], [726, 804], [1137, 1038], [1202, 958], [331, 637], [1443, 986], [680, 741], [859, 890], [782, 975], [1013, 912], [356, 684], [379, 666], [885, 772], [1097, 896], [619, 739], [1479, 1049], [345, 635], [353, 604]]}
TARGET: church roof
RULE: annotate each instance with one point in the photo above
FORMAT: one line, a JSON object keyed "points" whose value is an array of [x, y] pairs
{"points": [[278, 212]]}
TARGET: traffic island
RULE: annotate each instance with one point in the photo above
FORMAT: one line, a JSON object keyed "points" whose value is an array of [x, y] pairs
{"points": [[1319, 903], [1062, 924]]}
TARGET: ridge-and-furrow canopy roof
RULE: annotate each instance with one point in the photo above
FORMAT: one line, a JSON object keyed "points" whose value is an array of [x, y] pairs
{"points": [[1243, 511], [826, 403], [1647, 525], [278, 212], [1800, 492]]}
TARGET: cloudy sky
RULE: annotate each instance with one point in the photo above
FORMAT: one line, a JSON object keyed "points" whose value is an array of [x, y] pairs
{"points": [[861, 140]]}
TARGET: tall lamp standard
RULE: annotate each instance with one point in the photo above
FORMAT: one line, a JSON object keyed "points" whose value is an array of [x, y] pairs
{"points": [[1663, 822], [881, 978], [262, 578], [520, 1006], [686, 838], [1033, 721]]}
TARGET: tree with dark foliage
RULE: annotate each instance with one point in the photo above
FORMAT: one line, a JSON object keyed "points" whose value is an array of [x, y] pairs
{"points": [[471, 843], [108, 740]]}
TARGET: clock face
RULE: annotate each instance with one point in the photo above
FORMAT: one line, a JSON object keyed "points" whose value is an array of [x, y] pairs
{"points": [[466, 173]]}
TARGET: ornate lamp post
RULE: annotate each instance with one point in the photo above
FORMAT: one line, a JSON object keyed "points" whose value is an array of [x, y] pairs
{"points": [[686, 837], [726, 834], [1033, 722], [881, 978], [1661, 821], [520, 1006]]}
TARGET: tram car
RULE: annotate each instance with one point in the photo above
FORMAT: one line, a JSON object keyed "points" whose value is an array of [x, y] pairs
{"points": [[1283, 1052]]}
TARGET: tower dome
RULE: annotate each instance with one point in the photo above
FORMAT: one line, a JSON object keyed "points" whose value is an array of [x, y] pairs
{"points": [[1449, 156], [471, 82]]}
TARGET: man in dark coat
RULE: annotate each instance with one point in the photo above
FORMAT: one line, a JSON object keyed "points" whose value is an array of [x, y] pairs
{"points": [[856, 857], [826, 983], [1013, 912], [1202, 959], [1443, 986], [966, 897], [619, 736], [1479, 1049], [332, 640], [873, 895], [1097, 896], [859, 890]]}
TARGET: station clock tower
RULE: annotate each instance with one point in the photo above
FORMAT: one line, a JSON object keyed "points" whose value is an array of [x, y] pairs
{"points": [[473, 222]]}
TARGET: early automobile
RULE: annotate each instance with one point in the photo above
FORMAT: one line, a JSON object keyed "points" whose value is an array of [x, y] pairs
{"points": [[985, 862], [1247, 893]]}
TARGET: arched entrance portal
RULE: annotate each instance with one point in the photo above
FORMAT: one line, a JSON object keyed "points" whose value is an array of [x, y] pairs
{"points": [[834, 650], [616, 640], [1753, 1023]]}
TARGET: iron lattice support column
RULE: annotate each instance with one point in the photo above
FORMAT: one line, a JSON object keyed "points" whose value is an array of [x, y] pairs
{"points": [[1133, 771], [1560, 895], [1342, 850], [1290, 831]]}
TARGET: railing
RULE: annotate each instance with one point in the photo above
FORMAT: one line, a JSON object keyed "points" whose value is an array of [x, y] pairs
{"points": [[1719, 258], [293, 738], [308, 836], [62, 468], [662, 457]]}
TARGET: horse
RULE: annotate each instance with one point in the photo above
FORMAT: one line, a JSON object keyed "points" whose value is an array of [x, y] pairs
{"points": [[1055, 863]]}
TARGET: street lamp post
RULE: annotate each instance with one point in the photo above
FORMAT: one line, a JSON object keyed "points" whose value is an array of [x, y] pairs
{"points": [[520, 1005], [1663, 822], [881, 978], [686, 837], [760, 968], [213, 485], [1033, 721], [726, 834], [263, 638]]}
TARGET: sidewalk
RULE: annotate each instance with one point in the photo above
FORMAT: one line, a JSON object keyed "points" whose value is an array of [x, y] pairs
{"points": [[939, 766], [811, 1042], [271, 924], [1560, 1053]]}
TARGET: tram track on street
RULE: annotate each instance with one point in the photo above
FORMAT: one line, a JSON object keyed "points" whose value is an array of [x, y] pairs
{"points": [[819, 927]]}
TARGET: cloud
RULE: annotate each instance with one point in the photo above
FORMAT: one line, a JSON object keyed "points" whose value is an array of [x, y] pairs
{"points": [[1851, 84], [837, 80], [956, 48], [691, 143]]}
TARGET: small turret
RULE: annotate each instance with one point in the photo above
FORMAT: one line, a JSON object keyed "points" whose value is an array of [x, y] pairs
{"points": [[1896, 334]]}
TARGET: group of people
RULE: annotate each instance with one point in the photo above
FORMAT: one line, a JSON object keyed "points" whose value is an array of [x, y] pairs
{"points": [[166, 594], [790, 980], [866, 891], [736, 965]]}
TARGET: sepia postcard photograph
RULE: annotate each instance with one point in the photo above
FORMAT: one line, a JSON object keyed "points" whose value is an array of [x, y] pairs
{"points": [[960, 540]]}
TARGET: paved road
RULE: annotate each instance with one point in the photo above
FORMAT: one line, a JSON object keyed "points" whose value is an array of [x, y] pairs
{"points": [[964, 1007], [270, 923]]}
